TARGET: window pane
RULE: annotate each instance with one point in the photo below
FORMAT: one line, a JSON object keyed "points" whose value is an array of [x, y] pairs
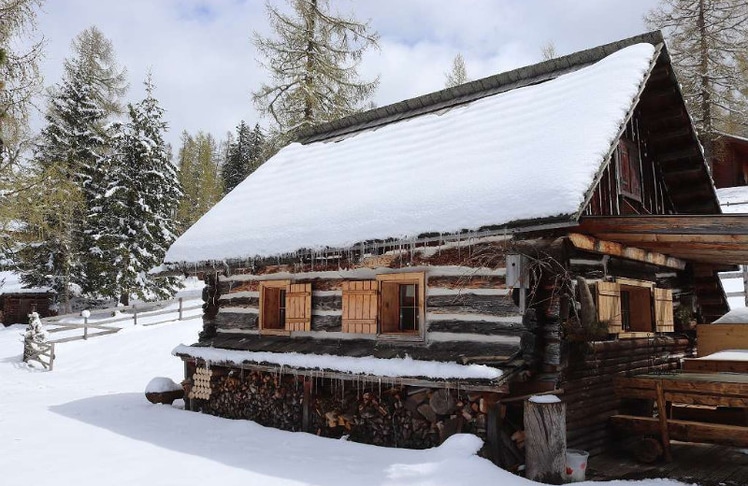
{"points": [[408, 319]]}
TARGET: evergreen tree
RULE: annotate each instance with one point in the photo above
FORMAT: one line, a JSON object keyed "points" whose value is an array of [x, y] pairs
{"points": [[199, 177], [704, 37], [70, 158], [135, 213], [458, 74], [312, 62], [245, 155]]}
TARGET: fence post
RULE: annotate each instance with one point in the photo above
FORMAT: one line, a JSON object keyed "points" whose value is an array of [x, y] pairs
{"points": [[51, 356], [180, 308], [85, 327], [135, 312]]}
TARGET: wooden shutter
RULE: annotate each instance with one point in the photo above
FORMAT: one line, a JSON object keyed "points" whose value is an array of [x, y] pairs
{"points": [[664, 310], [360, 306], [390, 304], [609, 305], [299, 307]]}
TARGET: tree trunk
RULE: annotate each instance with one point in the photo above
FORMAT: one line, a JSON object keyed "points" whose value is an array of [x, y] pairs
{"points": [[545, 440]]}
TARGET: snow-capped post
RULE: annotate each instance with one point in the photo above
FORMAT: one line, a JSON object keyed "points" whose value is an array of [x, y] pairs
{"points": [[545, 439], [85, 314], [135, 314], [181, 307]]}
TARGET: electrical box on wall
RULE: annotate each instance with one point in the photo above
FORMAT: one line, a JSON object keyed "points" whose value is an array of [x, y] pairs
{"points": [[517, 278], [516, 271]]}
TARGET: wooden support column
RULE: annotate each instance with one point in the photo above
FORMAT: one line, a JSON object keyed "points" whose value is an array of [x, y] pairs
{"points": [[545, 439], [662, 416]]}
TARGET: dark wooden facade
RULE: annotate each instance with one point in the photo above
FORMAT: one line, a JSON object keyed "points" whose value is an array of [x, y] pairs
{"points": [[730, 167], [16, 307]]}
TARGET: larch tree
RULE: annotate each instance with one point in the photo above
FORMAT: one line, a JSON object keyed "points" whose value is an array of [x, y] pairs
{"points": [[458, 74], [199, 177], [94, 59], [548, 51], [20, 81], [135, 213], [312, 61], [704, 38]]}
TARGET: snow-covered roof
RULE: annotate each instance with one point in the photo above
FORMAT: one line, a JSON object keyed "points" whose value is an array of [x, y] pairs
{"points": [[529, 153], [733, 199], [10, 283], [735, 316]]}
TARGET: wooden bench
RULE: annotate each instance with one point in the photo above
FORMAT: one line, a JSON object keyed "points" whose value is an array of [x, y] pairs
{"points": [[708, 391]]}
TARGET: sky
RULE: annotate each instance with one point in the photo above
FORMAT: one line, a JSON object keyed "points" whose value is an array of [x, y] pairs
{"points": [[205, 66]]}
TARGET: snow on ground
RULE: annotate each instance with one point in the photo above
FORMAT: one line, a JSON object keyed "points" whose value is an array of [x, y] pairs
{"points": [[735, 316], [88, 421]]}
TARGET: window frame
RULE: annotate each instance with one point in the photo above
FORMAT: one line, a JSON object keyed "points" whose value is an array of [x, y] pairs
{"points": [[414, 278], [280, 285]]}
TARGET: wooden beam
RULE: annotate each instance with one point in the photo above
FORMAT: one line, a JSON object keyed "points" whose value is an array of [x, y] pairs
{"points": [[712, 224], [687, 431], [588, 243]]}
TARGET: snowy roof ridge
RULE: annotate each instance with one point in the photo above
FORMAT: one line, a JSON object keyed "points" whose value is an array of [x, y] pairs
{"points": [[528, 154], [470, 91]]}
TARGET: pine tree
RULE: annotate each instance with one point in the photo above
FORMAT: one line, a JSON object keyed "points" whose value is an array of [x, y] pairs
{"points": [[135, 214], [199, 177], [69, 161], [458, 74], [245, 155], [312, 62], [704, 37]]}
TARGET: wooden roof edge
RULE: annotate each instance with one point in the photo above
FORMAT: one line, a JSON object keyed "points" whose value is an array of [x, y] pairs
{"points": [[524, 227], [469, 91]]}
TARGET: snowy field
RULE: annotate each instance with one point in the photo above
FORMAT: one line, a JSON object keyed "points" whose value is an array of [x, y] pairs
{"points": [[88, 422]]}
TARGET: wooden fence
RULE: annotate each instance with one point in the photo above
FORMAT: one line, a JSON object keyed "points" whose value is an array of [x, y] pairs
{"points": [[101, 323], [34, 351]]}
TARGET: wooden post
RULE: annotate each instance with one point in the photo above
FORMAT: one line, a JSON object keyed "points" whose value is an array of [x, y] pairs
{"points": [[662, 416], [181, 305], [135, 314], [85, 328], [545, 439]]}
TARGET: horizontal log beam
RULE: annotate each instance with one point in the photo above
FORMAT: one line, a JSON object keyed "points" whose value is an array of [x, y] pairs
{"points": [[707, 225], [589, 243], [683, 430]]}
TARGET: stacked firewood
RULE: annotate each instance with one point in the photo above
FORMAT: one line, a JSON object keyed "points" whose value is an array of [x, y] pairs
{"points": [[269, 399], [399, 416]]}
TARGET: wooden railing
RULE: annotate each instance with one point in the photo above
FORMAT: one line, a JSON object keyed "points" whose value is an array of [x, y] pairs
{"points": [[104, 320], [34, 351]]}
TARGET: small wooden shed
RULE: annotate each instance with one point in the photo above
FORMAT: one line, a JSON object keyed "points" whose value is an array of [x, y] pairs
{"points": [[15, 306]]}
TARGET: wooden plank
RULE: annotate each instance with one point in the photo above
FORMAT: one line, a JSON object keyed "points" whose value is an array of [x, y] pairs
{"points": [[686, 398], [684, 430], [711, 338], [716, 365]]}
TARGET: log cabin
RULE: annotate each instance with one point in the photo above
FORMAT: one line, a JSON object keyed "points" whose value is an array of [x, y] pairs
{"points": [[420, 269]]}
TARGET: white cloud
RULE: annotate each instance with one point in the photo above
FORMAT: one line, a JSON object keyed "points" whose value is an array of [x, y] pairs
{"points": [[204, 63]]}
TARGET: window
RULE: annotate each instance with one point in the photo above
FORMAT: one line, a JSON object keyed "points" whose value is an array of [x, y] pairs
{"points": [[634, 306], [629, 169], [285, 307], [401, 304], [393, 304]]}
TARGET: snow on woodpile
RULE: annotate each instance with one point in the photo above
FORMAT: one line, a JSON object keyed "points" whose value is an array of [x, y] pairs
{"points": [[393, 367], [523, 154], [733, 199], [735, 316]]}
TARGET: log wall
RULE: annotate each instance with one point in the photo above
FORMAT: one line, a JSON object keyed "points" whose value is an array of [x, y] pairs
{"points": [[588, 382], [466, 293]]}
